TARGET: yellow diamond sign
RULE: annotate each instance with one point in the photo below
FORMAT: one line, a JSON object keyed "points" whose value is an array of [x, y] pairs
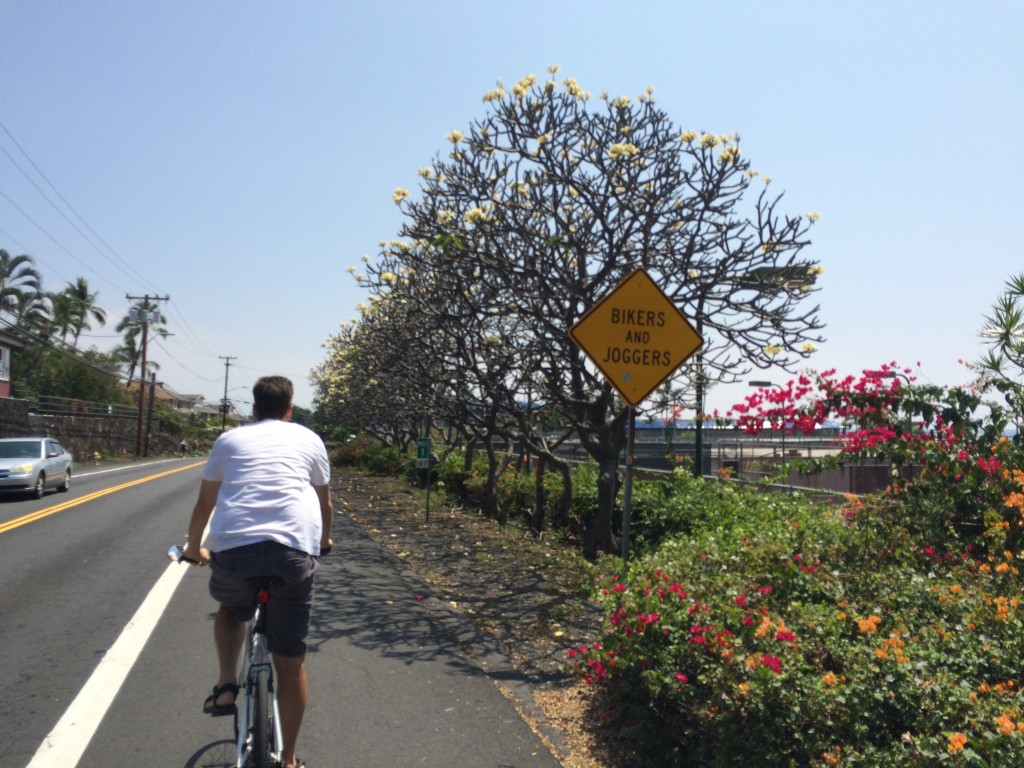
{"points": [[636, 336]]}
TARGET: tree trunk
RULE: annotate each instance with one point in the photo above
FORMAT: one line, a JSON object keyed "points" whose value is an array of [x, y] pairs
{"points": [[539, 496], [492, 507], [564, 510], [598, 533], [604, 444]]}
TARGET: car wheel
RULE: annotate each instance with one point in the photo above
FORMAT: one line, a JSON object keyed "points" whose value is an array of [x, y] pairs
{"points": [[40, 488], [66, 485]]}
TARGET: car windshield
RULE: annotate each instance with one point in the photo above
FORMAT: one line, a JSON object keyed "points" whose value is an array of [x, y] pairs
{"points": [[19, 449]]}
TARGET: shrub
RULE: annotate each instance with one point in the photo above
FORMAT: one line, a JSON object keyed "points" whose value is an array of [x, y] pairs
{"points": [[770, 635], [370, 455]]}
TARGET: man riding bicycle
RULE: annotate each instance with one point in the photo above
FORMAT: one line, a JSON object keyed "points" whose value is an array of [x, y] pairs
{"points": [[267, 489]]}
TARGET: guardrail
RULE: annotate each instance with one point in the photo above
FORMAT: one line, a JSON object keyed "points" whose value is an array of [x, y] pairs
{"points": [[68, 406]]}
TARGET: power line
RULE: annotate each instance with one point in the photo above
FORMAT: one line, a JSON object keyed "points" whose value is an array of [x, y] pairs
{"points": [[188, 330], [59, 244], [182, 365], [91, 241], [61, 347], [126, 266], [9, 236]]}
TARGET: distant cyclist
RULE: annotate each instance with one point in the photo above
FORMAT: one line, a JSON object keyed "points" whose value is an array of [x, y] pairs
{"points": [[266, 486]]}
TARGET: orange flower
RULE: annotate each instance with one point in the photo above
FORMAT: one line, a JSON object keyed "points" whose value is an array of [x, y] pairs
{"points": [[1005, 724], [832, 757], [870, 624], [829, 679], [956, 742]]}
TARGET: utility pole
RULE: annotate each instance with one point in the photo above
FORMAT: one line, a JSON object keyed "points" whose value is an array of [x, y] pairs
{"points": [[224, 402], [144, 316], [149, 415]]}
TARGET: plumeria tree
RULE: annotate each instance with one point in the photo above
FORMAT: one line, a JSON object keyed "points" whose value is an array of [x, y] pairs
{"points": [[539, 208]]}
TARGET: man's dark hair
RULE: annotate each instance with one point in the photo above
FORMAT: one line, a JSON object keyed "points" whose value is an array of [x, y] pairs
{"points": [[271, 397]]}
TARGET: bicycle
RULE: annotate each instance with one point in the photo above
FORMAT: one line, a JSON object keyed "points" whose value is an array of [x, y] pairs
{"points": [[258, 744]]}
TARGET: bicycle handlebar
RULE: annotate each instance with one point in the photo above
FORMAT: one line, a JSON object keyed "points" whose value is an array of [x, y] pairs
{"points": [[176, 553]]}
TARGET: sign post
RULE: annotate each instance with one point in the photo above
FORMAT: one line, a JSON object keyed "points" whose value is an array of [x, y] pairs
{"points": [[637, 338], [423, 462]]}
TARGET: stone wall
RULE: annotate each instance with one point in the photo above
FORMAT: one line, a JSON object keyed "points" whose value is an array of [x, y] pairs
{"points": [[81, 435]]}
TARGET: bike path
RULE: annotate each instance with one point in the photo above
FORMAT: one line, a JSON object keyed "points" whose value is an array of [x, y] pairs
{"points": [[390, 685]]}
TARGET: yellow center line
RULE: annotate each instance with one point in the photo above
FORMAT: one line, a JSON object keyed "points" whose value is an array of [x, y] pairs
{"points": [[40, 514]]}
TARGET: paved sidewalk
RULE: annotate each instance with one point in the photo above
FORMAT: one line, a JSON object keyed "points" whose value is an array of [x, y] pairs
{"points": [[392, 682]]}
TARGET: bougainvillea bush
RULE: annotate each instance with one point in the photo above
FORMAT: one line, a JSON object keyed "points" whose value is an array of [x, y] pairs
{"points": [[952, 437], [779, 632]]}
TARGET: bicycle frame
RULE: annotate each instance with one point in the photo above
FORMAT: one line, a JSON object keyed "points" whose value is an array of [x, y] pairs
{"points": [[256, 663], [256, 689]]}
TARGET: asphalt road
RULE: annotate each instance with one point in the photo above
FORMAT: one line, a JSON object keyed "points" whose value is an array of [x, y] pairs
{"points": [[390, 683]]}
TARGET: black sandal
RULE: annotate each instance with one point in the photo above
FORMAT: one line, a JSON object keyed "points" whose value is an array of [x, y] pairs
{"points": [[212, 708]]}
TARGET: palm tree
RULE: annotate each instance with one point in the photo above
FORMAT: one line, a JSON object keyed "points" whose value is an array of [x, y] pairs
{"points": [[18, 279], [33, 313], [130, 350], [62, 314], [83, 307], [1002, 367]]}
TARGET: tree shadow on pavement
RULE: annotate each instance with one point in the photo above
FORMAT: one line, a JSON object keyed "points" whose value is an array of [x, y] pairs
{"points": [[368, 597]]}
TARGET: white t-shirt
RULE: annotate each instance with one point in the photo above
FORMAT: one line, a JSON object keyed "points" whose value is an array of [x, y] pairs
{"points": [[267, 471]]}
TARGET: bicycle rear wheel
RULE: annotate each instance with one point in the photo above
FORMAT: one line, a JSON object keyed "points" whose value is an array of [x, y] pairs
{"points": [[262, 722]]}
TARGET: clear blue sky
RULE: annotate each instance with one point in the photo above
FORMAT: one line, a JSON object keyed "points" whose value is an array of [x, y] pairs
{"points": [[239, 156]]}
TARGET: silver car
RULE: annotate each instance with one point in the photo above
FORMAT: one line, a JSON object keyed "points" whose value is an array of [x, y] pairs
{"points": [[34, 464]]}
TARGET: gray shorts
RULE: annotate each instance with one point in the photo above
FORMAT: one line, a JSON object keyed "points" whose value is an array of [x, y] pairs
{"points": [[236, 575]]}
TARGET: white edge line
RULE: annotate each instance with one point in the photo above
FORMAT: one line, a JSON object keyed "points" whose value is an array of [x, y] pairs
{"points": [[64, 745], [78, 473]]}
